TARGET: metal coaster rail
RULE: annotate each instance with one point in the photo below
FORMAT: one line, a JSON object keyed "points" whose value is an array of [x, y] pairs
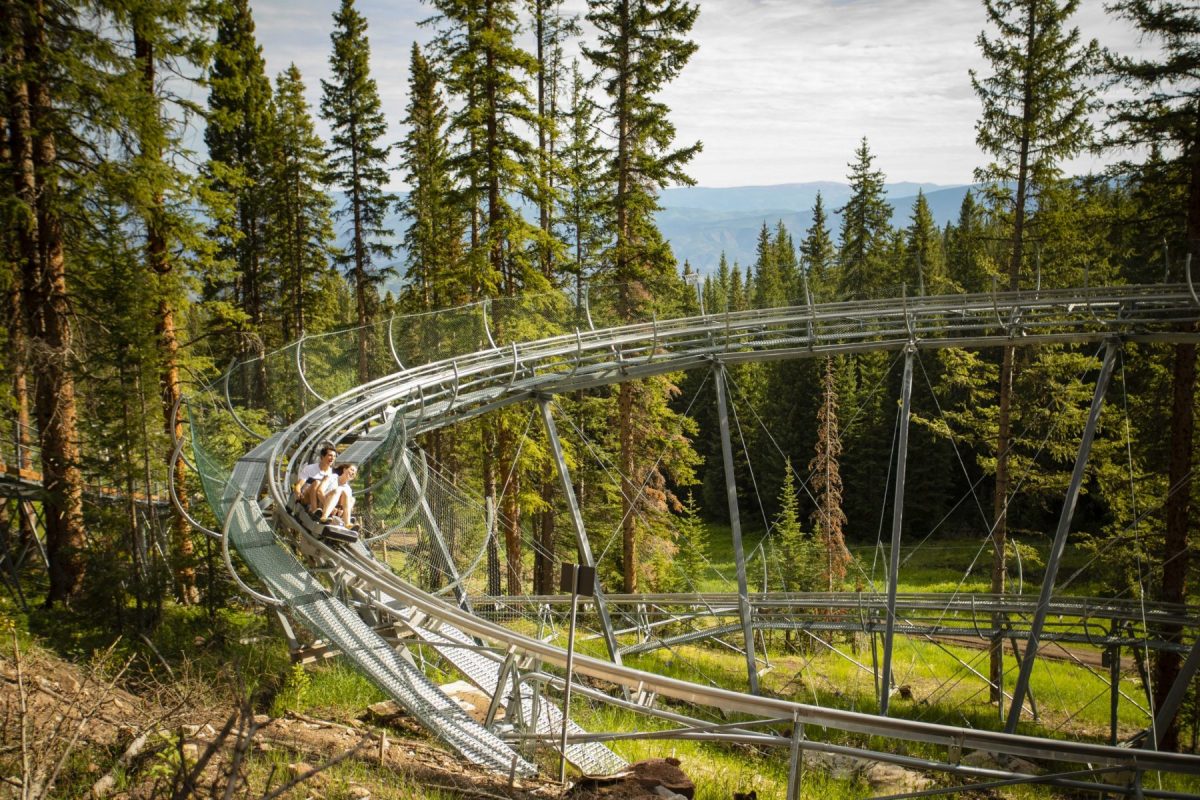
{"points": [[423, 398]]}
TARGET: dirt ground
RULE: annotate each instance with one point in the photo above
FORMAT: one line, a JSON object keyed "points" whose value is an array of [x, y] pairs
{"points": [[69, 730]]}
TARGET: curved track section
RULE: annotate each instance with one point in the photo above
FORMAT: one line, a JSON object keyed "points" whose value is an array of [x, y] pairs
{"points": [[427, 397]]}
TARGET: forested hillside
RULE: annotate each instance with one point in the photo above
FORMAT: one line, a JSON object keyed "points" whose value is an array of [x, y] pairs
{"points": [[169, 208]]}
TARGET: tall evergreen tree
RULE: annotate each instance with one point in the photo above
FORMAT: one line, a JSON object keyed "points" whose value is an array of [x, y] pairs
{"points": [[925, 261], [640, 47], [358, 167], [817, 255], [56, 72], [866, 223], [168, 37], [1034, 116], [967, 260], [236, 135], [583, 189], [433, 240], [1163, 112], [299, 238]]}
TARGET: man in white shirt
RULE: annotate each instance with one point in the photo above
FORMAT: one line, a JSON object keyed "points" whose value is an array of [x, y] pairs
{"points": [[312, 478]]}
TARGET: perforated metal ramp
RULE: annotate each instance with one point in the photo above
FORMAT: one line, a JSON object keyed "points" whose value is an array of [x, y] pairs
{"points": [[591, 758], [312, 604], [365, 446]]}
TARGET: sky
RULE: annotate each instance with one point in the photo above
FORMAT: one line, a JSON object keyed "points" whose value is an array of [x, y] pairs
{"points": [[780, 91]]}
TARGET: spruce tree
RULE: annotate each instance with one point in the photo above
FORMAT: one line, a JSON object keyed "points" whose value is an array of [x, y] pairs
{"points": [[967, 260], [168, 38], [584, 190], [1163, 112], [238, 125], [299, 238], [817, 256], [925, 262], [866, 223], [358, 167], [1034, 116], [433, 240], [640, 47]]}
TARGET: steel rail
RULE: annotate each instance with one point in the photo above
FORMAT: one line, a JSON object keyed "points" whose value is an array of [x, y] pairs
{"points": [[487, 380]]}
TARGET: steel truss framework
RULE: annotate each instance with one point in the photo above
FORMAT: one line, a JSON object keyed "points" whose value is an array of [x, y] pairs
{"points": [[422, 398]]}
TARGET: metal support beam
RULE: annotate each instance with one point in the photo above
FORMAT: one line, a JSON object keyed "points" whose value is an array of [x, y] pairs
{"points": [[735, 523], [1060, 538], [1170, 706], [885, 684], [581, 538], [435, 536]]}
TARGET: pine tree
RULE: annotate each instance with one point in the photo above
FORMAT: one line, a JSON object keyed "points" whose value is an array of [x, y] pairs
{"points": [[299, 238], [770, 290], [1163, 111], [584, 189], [817, 255], [691, 549], [167, 37], [925, 264], [236, 135], [967, 260], [551, 30], [1035, 115], [796, 556], [433, 241], [828, 518], [358, 167], [866, 223], [640, 47]]}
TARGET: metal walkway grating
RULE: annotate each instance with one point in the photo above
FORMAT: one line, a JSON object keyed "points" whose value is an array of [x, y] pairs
{"points": [[310, 602], [591, 758]]}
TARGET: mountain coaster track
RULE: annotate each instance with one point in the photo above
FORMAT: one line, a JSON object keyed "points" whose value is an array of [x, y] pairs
{"points": [[512, 667]]}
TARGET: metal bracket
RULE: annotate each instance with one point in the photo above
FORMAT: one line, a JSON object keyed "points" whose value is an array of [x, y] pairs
{"points": [[391, 340], [487, 329]]}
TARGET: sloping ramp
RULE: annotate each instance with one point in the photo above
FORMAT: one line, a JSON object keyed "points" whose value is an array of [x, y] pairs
{"points": [[326, 616], [591, 758]]}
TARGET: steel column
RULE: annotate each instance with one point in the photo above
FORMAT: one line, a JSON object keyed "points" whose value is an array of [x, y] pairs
{"points": [[581, 538], [1060, 538], [735, 523], [885, 688], [1170, 707]]}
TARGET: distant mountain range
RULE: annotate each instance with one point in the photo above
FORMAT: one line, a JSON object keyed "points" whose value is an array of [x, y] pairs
{"points": [[702, 222]]}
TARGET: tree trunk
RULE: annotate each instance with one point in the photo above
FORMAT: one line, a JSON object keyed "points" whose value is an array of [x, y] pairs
{"points": [[159, 262], [44, 292], [1179, 481], [510, 508]]}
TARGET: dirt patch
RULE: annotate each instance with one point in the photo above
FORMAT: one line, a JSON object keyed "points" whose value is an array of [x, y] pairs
{"points": [[657, 778]]}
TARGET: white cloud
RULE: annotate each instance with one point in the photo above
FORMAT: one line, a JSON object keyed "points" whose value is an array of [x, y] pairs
{"points": [[779, 90]]}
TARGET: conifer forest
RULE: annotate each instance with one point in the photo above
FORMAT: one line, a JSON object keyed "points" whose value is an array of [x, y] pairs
{"points": [[170, 208]]}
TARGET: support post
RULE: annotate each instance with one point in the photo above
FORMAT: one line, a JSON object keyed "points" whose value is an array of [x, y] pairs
{"points": [[1170, 705], [1060, 538], [885, 684], [581, 538], [735, 523], [1114, 677]]}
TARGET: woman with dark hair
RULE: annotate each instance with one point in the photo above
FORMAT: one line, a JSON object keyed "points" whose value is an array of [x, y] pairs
{"points": [[338, 495]]}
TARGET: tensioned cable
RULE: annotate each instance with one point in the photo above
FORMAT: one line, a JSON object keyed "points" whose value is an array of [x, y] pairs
{"points": [[877, 550], [1007, 502], [804, 483]]}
